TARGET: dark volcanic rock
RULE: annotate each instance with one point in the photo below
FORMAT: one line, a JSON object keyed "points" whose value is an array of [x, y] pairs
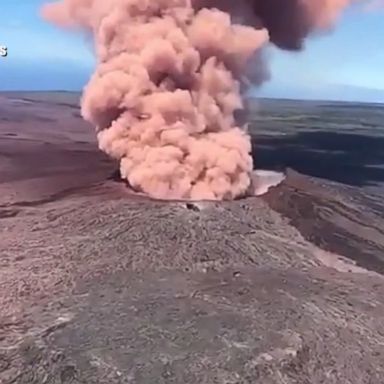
{"points": [[338, 219], [100, 285], [264, 325]]}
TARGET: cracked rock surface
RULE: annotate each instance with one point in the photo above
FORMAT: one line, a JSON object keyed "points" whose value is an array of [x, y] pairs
{"points": [[99, 285]]}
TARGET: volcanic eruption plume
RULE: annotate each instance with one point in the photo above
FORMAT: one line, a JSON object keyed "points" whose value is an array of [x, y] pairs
{"points": [[169, 79]]}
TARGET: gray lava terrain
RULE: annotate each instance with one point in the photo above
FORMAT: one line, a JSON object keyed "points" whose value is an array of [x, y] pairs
{"points": [[99, 285]]}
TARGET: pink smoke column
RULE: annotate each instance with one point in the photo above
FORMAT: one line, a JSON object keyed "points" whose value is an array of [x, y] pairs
{"points": [[169, 79]]}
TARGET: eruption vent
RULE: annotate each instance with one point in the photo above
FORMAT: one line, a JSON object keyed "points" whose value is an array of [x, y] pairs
{"points": [[169, 80]]}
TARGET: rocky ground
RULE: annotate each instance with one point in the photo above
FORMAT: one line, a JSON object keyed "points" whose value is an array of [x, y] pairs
{"points": [[98, 285]]}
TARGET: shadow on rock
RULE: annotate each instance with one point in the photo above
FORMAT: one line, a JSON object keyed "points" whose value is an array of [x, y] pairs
{"points": [[352, 159]]}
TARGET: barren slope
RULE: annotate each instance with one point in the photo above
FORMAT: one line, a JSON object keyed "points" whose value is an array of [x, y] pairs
{"points": [[98, 285]]}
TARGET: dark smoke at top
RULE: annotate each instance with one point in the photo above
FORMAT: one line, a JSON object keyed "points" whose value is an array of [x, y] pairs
{"points": [[289, 22]]}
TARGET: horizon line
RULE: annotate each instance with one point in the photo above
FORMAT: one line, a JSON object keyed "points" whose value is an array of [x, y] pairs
{"points": [[275, 98]]}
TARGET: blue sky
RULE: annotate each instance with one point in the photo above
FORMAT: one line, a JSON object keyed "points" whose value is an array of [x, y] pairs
{"points": [[347, 64]]}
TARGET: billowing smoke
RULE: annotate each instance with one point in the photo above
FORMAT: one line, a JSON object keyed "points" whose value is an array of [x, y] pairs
{"points": [[169, 79]]}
